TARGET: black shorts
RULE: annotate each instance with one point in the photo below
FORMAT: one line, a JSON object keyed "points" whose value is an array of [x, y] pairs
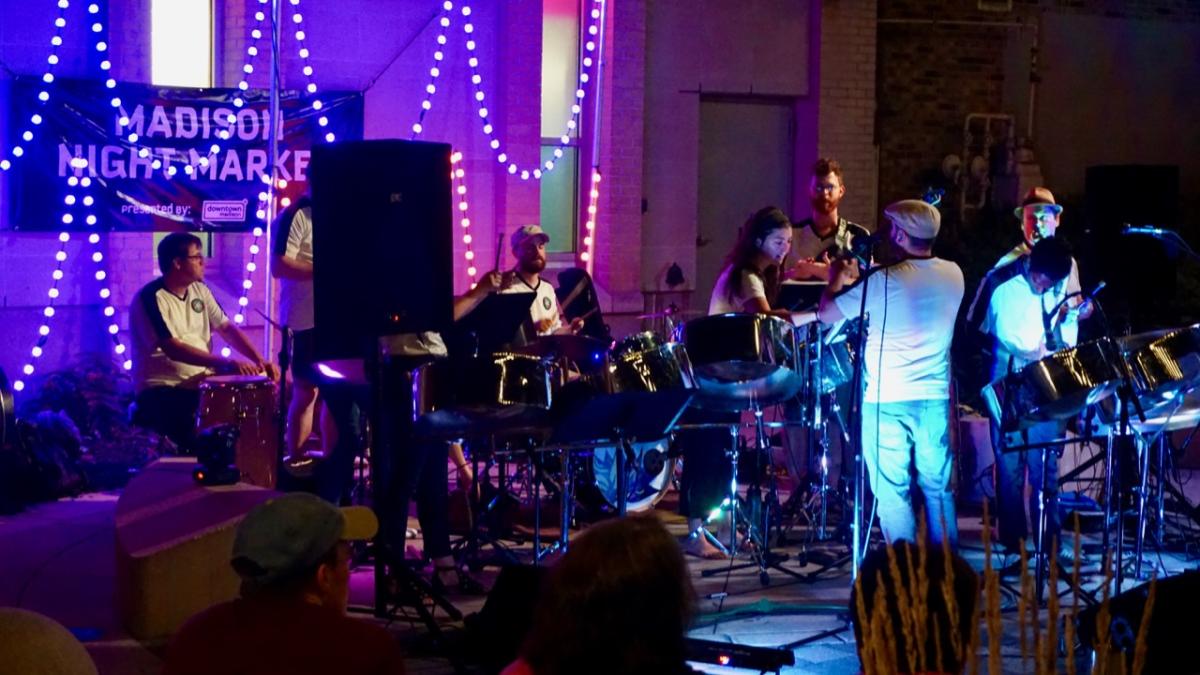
{"points": [[302, 356]]}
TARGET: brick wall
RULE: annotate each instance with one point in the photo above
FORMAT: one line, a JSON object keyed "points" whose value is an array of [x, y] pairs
{"points": [[383, 49], [846, 128], [939, 61], [618, 264]]}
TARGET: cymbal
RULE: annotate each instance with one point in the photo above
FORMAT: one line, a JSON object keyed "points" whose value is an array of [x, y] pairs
{"points": [[577, 348], [672, 312]]}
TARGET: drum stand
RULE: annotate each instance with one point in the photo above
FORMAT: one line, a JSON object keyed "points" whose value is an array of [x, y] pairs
{"points": [[484, 511], [823, 406], [758, 521]]}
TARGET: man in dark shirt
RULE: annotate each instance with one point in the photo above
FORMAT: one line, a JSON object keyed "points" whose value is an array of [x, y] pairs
{"points": [[293, 556]]}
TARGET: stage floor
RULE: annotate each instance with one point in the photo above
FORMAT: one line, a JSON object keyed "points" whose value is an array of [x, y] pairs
{"points": [[59, 560]]}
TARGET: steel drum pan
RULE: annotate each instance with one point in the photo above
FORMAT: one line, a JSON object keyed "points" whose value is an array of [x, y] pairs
{"points": [[1057, 386], [488, 392], [1163, 364], [646, 362], [743, 359]]}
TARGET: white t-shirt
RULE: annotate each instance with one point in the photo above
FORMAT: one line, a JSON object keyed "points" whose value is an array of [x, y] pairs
{"points": [[1007, 308], [911, 308], [720, 302], [157, 314], [296, 296], [806, 243], [545, 303]]}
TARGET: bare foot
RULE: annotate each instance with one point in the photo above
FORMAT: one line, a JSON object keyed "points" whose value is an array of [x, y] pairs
{"points": [[698, 545]]}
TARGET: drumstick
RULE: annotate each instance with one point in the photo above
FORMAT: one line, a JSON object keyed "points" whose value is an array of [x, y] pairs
{"points": [[588, 313], [579, 288], [499, 247]]}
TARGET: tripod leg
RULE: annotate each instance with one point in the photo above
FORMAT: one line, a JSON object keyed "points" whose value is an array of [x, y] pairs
{"points": [[1143, 486]]}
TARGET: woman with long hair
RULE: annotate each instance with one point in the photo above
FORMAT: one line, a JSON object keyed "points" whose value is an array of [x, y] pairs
{"points": [[619, 601], [750, 280]]}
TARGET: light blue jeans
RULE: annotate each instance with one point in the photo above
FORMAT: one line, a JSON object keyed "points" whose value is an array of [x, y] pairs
{"points": [[897, 436]]}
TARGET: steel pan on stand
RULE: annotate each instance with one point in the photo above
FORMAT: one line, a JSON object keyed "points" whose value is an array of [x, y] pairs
{"points": [[743, 360], [1055, 387]]}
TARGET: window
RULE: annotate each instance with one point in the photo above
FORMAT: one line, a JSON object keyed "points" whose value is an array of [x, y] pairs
{"points": [[560, 75], [181, 43]]}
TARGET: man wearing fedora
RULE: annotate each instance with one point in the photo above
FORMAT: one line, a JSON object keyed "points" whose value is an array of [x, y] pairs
{"points": [[1039, 216], [911, 306]]}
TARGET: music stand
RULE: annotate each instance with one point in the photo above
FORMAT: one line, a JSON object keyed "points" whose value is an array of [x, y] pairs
{"points": [[800, 295], [495, 324]]}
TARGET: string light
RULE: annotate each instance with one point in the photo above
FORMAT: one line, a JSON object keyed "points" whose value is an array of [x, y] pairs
{"points": [[310, 87], [190, 160], [589, 232], [247, 282], [459, 185], [86, 202], [48, 313], [35, 120], [586, 62], [436, 69]]}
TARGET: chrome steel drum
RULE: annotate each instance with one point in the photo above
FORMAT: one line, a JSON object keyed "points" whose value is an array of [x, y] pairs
{"points": [[644, 362], [504, 389], [838, 344], [246, 402], [1057, 386], [648, 477], [743, 358], [1163, 363]]}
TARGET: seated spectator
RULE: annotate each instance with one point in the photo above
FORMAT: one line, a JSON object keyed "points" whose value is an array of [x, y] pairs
{"points": [[887, 634], [619, 601], [293, 556], [32, 644]]}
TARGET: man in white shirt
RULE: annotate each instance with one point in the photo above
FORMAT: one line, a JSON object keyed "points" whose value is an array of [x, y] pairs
{"points": [[172, 320], [911, 306], [1021, 308], [293, 266], [528, 245]]}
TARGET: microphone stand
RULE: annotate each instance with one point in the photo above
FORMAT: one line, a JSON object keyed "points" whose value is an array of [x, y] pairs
{"points": [[285, 361], [1126, 397]]}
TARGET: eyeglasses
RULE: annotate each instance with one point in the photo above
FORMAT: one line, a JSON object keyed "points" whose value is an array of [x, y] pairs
{"points": [[824, 188], [194, 257]]}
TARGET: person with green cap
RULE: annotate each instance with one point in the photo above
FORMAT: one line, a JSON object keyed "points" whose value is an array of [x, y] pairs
{"points": [[292, 554]]}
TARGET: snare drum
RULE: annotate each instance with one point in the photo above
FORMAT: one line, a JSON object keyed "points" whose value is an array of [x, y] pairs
{"points": [[247, 402]]}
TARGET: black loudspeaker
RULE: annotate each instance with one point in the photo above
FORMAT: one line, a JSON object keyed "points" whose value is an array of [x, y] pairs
{"points": [[1140, 270], [1168, 644], [382, 243], [497, 631]]}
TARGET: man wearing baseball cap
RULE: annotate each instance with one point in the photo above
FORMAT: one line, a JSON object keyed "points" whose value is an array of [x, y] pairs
{"points": [[910, 306], [528, 244], [293, 556]]}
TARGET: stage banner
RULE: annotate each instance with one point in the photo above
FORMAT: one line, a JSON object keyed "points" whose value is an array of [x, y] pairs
{"points": [[150, 173]]}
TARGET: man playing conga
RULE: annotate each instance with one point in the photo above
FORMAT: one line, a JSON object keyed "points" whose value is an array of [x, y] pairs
{"points": [[172, 320]]}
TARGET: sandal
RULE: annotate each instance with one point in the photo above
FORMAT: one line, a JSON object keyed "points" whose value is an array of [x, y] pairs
{"points": [[466, 584]]}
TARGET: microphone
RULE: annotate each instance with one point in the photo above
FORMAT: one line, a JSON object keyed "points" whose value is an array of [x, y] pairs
{"points": [[864, 242], [1148, 230], [1097, 289]]}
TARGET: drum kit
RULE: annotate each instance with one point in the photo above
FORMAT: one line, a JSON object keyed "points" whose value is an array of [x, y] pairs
{"points": [[607, 411], [1140, 386]]}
